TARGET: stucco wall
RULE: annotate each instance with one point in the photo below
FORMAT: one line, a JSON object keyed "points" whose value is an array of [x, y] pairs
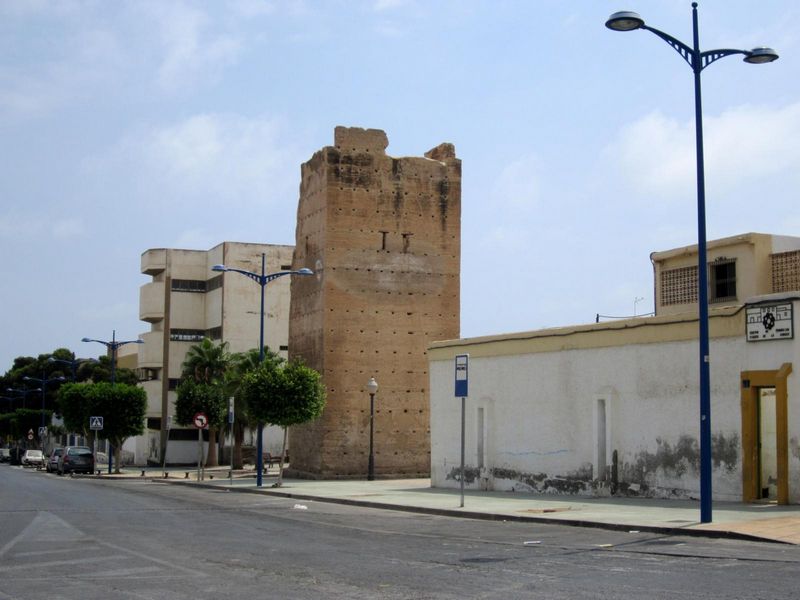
{"points": [[542, 411]]}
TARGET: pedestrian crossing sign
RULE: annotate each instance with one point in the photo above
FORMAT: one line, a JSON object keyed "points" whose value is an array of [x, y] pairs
{"points": [[95, 423]]}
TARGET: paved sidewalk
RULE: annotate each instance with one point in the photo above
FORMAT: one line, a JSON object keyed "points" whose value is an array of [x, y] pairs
{"points": [[766, 522]]}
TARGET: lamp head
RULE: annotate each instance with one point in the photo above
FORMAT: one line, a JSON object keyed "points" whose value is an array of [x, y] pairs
{"points": [[304, 271], [372, 386], [219, 268], [86, 339], [757, 56], [625, 20]]}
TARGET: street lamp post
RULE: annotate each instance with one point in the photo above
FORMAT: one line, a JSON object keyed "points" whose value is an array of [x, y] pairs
{"points": [[372, 388], [113, 345], [72, 364], [43, 381], [697, 60], [24, 393], [263, 279]]}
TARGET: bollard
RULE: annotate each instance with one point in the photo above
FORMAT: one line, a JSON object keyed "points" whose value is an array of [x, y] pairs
{"points": [[186, 476], [142, 475]]}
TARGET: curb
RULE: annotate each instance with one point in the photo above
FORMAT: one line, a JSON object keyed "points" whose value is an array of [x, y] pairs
{"points": [[445, 512]]}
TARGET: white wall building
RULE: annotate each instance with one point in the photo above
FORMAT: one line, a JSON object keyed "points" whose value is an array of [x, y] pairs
{"points": [[613, 408], [187, 301]]}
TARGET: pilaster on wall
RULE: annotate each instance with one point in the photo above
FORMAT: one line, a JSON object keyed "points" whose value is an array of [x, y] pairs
{"points": [[383, 237]]}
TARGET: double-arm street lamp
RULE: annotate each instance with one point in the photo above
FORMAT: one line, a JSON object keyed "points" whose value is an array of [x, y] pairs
{"points": [[23, 392], [43, 381], [72, 364], [263, 279], [113, 346], [372, 389], [697, 60]]}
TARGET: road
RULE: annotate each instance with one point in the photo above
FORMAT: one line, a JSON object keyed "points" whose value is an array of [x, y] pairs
{"points": [[65, 538]]}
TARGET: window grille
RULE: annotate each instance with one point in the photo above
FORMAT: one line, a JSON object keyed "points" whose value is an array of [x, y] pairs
{"points": [[785, 271], [188, 285], [722, 280], [679, 286]]}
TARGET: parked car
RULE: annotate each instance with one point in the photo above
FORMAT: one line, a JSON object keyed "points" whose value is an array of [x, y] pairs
{"points": [[76, 459], [33, 458], [51, 464], [5, 455]]}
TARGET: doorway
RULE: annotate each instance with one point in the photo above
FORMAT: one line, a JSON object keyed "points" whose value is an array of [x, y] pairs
{"points": [[765, 433], [767, 444]]}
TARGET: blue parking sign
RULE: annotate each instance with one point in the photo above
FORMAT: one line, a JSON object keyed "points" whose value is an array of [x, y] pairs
{"points": [[462, 375]]}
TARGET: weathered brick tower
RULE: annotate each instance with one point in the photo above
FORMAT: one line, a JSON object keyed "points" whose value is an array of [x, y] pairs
{"points": [[383, 236]]}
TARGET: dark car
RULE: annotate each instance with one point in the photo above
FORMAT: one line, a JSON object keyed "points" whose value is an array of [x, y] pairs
{"points": [[51, 463], [76, 459]]}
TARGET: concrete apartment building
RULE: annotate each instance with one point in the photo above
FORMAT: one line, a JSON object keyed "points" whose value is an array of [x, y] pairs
{"points": [[382, 235], [613, 408], [187, 301]]}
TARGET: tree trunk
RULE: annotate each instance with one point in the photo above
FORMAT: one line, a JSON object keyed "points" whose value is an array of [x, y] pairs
{"points": [[117, 458], [238, 440], [211, 457], [283, 458]]}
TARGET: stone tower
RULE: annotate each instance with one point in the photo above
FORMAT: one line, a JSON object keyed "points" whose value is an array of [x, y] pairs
{"points": [[383, 236]]}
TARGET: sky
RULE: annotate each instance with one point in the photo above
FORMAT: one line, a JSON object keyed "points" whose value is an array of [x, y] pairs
{"points": [[130, 125]]}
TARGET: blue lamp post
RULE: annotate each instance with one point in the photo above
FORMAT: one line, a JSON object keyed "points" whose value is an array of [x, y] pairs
{"points": [[263, 279], [113, 346], [43, 381], [697, 60]]}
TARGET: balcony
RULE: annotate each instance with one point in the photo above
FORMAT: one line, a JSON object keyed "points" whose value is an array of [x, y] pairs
{"points": [[154, 261], [151, 353], [151, 302]]}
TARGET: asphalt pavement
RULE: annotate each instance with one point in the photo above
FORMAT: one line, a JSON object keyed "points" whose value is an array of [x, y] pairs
{"points": [[766, 521]]}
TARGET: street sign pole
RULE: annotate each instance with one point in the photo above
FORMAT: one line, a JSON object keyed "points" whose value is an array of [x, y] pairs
{"points": [[230, 426], [462, 391], [201, 422], [166, 443]]}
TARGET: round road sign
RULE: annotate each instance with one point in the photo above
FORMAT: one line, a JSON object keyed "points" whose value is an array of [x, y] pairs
{"points": [[200, 420]]}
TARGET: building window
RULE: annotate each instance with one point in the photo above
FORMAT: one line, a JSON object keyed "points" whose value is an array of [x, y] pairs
{"points": [[286, 267], [284, 348], [189, 285], [172, 384], [785, 271], [722, 280], [679, 286], [187, 335], [215, 333], [214, 283]]}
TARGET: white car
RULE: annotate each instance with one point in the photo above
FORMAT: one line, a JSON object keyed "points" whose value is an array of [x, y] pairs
{"points": [[33, 458]]}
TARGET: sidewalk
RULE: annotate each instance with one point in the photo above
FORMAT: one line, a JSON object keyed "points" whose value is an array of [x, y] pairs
{"points": [[764, 522]]}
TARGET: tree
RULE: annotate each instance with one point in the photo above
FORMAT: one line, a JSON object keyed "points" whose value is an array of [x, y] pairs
{"points": [[202, 389], [243, 363], [284, 395], [122, 406]]}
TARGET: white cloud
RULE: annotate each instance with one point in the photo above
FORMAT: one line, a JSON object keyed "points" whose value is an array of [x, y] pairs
{"points": [[656, 155], [254, 8], [205, 162], [21, 226], [390, 4], [192, 51], [518, 185], [68, 228]]}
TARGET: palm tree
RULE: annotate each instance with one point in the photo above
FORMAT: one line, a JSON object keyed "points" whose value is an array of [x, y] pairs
{"points": [[207, 363]]}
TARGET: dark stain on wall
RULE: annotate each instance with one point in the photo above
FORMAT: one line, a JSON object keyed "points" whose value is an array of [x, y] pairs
{"points": [[470, 474], [635, 478], [794, 447]]}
